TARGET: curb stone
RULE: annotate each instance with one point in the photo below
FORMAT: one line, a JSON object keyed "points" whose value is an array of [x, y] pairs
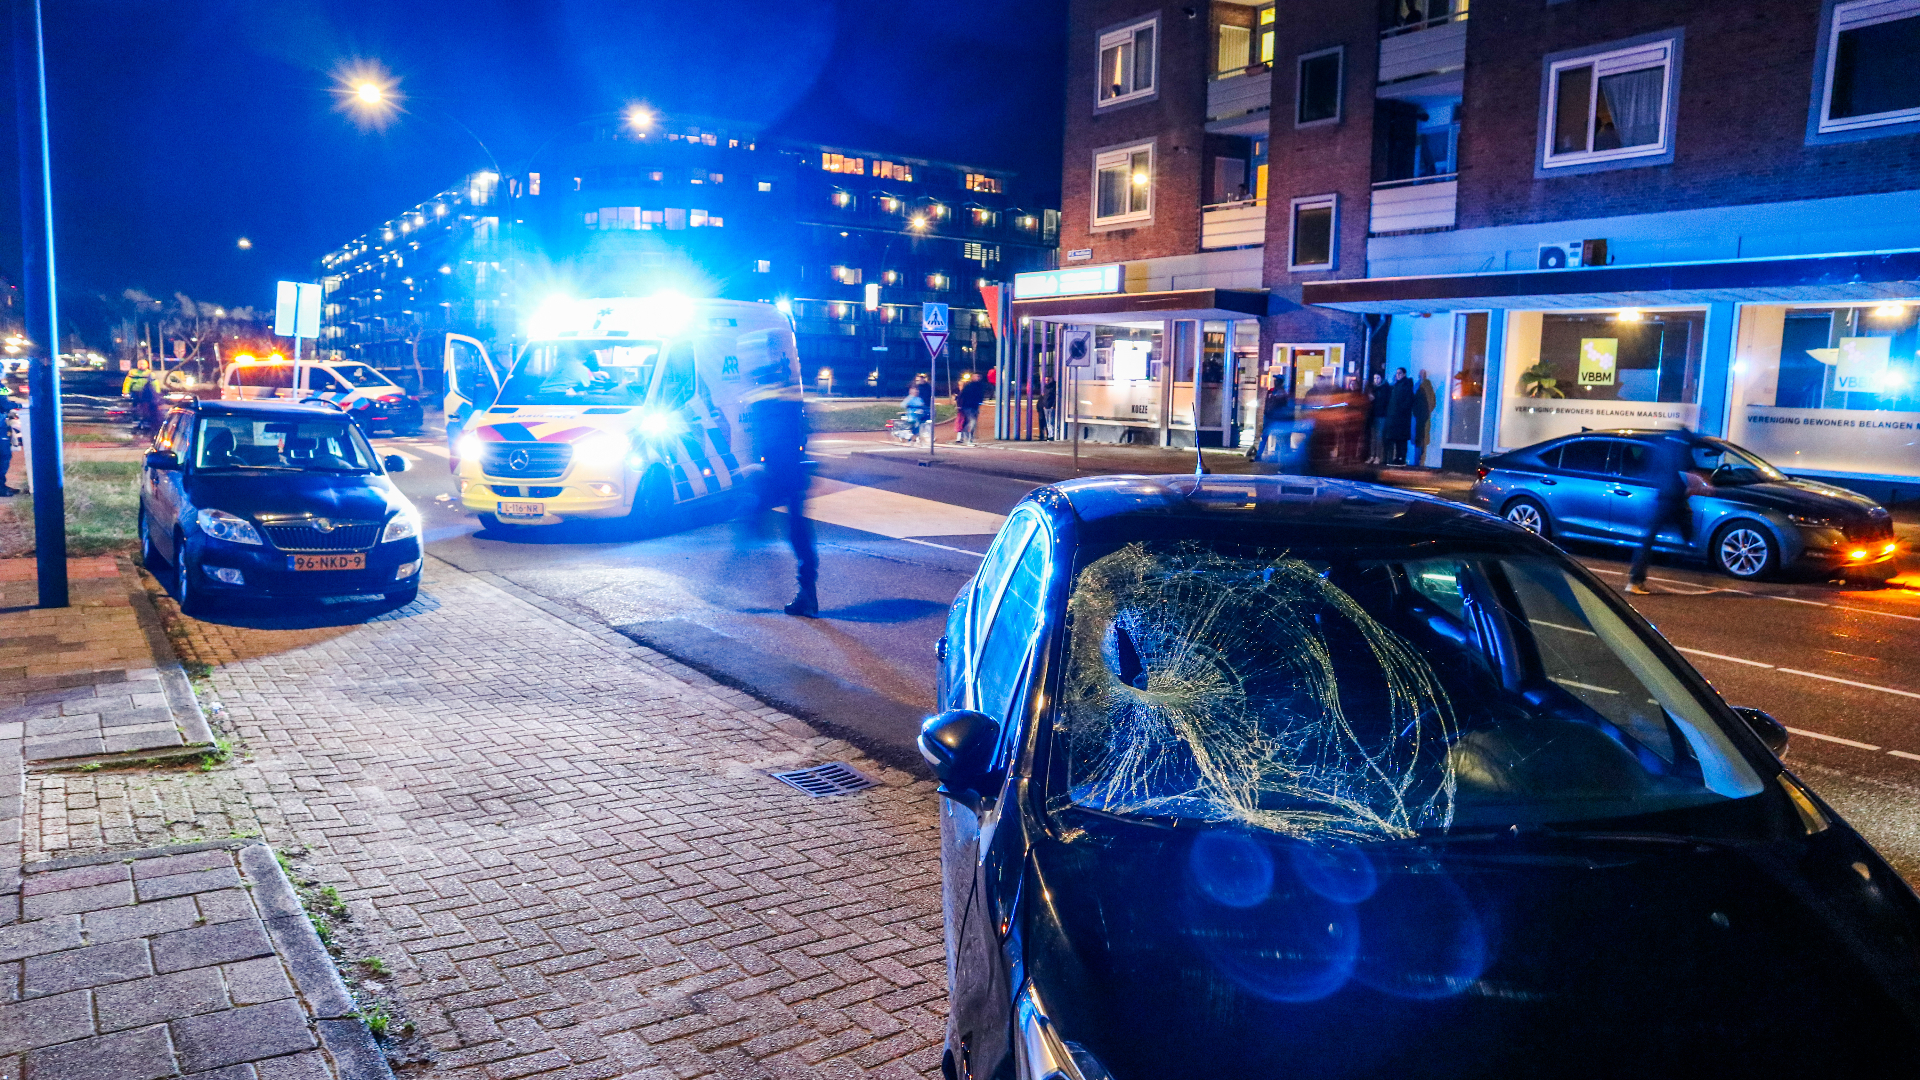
{"points": [[181, 699]]}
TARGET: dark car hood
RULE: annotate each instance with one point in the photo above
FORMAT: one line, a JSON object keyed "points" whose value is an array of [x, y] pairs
{"points": [[346, 497], [1801, 497], [1617, 959]]}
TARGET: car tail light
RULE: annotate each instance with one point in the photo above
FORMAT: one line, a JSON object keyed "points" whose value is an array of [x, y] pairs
{"points": [[1481, 472], [392, 399]]}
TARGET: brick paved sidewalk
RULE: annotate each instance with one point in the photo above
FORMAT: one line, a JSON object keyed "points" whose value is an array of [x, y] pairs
{"points": [[96, 678], [173, 962], [564, 846]]}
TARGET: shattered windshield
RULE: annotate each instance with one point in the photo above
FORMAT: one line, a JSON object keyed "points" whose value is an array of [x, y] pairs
{"points": [[1357, 695], [582, 373]]}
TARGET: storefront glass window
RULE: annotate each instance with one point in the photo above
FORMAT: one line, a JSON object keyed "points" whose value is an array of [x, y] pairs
{"points": [[1466, 388], [1610, 369], [1123, 385], [1830, 388]]}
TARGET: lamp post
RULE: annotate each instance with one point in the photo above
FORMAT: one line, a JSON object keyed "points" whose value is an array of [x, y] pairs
{"points": [[43, 376]]}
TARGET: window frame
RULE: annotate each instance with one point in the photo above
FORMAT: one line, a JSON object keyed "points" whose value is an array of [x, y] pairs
{"points": [[1313, 202], [1105, 157], [1112, 36], [1548, 163], [1821, 128], [1339, 86]]}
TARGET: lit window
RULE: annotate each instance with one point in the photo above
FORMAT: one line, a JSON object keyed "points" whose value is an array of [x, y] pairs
{"points": [[981, 217], [1318, 100], [1026, 222], [891, 205], [1609, 106], [836, 163], [893, 170], [939, 282], [981, 253], [716, 178], [763, 266], [987, 184], [843, 199], [1871, 78], [656, 177], [890, 277], [766, 185], [1127, 60], [1123, 185], [846, 275], [533, 183], [1314, 221]]}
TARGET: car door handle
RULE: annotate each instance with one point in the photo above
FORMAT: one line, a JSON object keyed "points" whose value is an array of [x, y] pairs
{"points": [[1548, 481], [1622, 492]]}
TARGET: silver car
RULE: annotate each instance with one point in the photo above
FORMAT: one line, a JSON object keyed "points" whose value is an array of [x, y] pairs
{"points": [[1746, 517]]}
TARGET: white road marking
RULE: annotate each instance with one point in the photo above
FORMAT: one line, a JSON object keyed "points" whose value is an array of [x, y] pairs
{"points": [[1904, 754], [432, 448], [1763, 596], [1584, 686], [1848, 682], [1723, 656], [1836, 739], [890, 513], [942, 547]]}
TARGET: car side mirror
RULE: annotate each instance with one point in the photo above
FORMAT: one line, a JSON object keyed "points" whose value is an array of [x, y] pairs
{"points": [[959, 745], [394, 463], [162, 459], [1771, 731]]}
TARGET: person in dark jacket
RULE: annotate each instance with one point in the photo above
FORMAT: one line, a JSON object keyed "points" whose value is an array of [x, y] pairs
{"points": [[1049, 404], [1276, 418], [1399, 426], [1664, 466], [1377, 394], [919, 407], [778, 421], [967, 402]]}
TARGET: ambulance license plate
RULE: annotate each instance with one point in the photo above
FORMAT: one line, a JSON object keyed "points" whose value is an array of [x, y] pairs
{"points": [[522, 510], [355, 560]]}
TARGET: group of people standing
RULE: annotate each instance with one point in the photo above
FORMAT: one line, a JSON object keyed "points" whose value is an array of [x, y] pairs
{"points": [[1398, 413], [968, 398]]}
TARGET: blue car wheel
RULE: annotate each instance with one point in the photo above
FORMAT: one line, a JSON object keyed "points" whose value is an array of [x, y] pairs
{"points": [[1529, 515]]}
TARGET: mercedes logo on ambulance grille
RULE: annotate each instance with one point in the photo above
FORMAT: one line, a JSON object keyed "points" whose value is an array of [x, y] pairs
{"points": [[519, 460]]}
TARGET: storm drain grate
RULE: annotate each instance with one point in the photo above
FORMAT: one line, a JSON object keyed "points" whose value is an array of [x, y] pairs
{"points": [[833, 778]]}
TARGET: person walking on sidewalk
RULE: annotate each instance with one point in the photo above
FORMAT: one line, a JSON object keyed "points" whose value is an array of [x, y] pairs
{"points": [[8, 407], [1049, 405], [778, 421], [1399, 429], [919, 406], [973, 392], [1377, 395], [1664, 466]]}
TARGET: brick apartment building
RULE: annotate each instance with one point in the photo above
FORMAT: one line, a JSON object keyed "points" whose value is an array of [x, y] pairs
{"points": [[1560, 213], [851, 242]]}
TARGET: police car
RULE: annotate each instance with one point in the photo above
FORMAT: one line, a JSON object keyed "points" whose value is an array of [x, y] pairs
{"points": [[374, 401]]}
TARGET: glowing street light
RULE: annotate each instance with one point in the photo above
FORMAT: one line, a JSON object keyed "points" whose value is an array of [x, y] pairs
{"points": [[244, 244], [370, 93], [639, 118], [367, 92]]}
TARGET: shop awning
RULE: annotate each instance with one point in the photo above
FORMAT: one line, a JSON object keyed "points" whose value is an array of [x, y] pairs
{"points": [[1865, 277], [1203, 304]]}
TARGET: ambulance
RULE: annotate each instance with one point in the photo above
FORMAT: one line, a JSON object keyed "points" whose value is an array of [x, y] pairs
{"points": [[614, 408]]}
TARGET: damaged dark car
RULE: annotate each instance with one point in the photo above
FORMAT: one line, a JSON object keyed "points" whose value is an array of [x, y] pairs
{"points": [[1266, 776]]}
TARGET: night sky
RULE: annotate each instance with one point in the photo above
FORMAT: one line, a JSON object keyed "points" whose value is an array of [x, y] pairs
{"points": [[180, 126]]}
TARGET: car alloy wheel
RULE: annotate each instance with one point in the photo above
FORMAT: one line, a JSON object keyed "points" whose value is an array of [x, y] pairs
{"points": [[187, 590], [1526, 514], [1744, 551], [149, 555]]}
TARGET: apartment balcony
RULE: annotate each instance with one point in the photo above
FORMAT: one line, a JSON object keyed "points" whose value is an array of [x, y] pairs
{"points": [[1239, 101], [1427, 202], [1424, 48], [1233, 225]]}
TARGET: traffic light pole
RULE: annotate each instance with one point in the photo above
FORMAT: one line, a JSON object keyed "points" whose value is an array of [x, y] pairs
{"points": [[43, 327]]}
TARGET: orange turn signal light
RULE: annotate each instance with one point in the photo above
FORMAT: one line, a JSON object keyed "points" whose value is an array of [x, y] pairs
{"points": [[1889, 549], [1857, 553]]}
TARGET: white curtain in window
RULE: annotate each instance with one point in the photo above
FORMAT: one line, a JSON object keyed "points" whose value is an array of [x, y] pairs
{"points": [[1634, 98]]}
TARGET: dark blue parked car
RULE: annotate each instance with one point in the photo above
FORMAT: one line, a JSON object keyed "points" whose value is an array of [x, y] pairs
{"points": [[1285, 777], [274, 499], [1749, 519]]}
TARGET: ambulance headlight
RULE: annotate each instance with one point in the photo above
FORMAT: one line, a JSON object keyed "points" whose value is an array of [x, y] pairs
{"points": [[467, 446], [601, 448], [660, 425]]}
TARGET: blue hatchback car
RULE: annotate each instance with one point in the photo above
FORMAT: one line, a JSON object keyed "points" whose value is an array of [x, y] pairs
{"points": [[274, 499], [1748, 518]]}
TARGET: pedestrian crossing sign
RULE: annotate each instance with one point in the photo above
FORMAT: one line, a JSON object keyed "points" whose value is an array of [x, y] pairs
{"points": [[933, 318]]}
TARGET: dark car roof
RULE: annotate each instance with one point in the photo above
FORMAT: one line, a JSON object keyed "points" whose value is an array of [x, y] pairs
{"points": [[264, 407], [1302, 501]]}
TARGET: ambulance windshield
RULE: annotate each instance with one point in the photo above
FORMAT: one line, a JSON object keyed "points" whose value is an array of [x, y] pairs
{"points": [[582, 373]]}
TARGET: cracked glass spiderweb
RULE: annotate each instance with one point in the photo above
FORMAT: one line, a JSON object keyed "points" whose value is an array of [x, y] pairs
{"points": [[1206, 686]]}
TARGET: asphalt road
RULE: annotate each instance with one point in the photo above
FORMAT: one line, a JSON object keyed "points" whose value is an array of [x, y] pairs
{"points": [[897, 541]]}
